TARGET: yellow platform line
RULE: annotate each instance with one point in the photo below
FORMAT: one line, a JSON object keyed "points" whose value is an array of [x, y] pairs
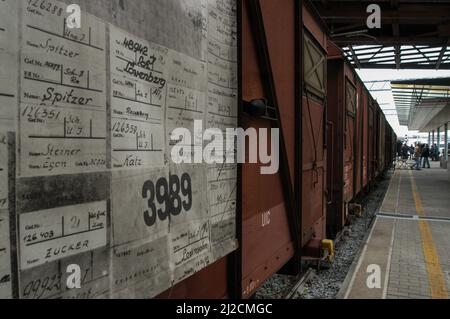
{"points": [[436, 278]]}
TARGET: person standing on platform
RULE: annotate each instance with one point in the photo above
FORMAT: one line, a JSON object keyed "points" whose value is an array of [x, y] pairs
{"points": [[422, 146], [435, 153], [411, 152], [425, 156], [404, 152], [417, 156]]}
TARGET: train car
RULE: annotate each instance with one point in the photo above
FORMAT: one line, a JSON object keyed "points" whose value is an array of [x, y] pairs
{"points": [[376, 165], [285, 213], [365, 178], [372, 141], [342, 112], [388, 149], [360, 143], [283, 86], [391, 147], [359, 140], [382, 143], [314, 149], [267, 242]]}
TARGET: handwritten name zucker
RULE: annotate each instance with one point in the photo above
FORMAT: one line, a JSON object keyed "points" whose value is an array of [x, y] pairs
{"points": [[66, 249]]}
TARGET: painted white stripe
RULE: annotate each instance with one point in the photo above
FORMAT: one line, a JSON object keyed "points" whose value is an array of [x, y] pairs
{"points": [[388, 265], [361, 258], [413, 217], [398, 191]]}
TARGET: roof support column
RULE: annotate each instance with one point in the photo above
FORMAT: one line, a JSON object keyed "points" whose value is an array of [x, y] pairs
{"points": [[429, 139], [439, 138], [432, 142], [446, 142]]}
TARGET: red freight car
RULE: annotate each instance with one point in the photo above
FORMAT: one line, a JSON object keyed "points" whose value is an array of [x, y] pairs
{"points": [[391, 147], [362, 142], [314, 155], [382, 141], [358, 141], [282, 213], [283, 85], [365, 139], [372, 140], [267, 243], [342, 119]]}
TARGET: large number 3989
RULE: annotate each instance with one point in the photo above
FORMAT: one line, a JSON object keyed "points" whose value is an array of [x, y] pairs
{"points": [[173, 196]]}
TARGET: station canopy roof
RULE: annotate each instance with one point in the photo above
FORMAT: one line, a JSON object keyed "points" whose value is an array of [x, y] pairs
{"points": [[422, 104], [414, 34]]}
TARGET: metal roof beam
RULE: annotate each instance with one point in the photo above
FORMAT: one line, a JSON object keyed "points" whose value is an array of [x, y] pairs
{"points": [[441, 54], [421, 53], [445, 66], [432, 58], [412, 59], [371, 48], [390, 40], [397, 57], [355, 57]]}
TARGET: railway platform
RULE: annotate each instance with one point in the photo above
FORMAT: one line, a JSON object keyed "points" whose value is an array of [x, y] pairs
{"points": [[406, 254]]}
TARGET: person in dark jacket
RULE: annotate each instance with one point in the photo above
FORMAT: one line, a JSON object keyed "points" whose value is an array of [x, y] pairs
{"points": [[411, 152], [404, 152], [425, 156]]}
